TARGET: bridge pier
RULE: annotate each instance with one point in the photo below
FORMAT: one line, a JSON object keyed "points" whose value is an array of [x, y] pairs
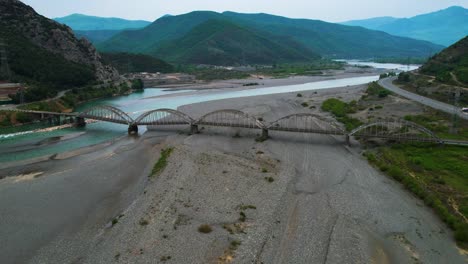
{"points": [[194, 129], [132, 129], [80, 121], [265, 133], [348, 140]]}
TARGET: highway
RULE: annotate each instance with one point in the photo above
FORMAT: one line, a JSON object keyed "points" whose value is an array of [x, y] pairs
{"points": [[387, 83]]}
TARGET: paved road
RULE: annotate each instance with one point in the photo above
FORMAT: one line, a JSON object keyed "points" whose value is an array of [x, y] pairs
{"points": [[387, 83]]}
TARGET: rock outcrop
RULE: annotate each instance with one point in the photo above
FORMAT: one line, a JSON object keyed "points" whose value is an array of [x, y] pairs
{"points": [[52, 36]]}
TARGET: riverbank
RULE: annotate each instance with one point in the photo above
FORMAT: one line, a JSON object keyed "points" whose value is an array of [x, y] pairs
{"points": [[268, 81]]}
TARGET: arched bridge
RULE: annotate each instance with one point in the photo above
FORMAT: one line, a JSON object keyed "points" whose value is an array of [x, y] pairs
{"points": [[398, 130]]}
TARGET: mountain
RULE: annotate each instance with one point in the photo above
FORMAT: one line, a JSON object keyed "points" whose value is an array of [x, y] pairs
{"points": [[96, 36], [127, 63], [443, 27], [221, 42], [42, 51], [84, 22], [450, 65], [371, 23], [294, 36]]}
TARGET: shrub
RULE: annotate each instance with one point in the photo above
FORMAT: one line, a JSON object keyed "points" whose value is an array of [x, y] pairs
{"points": [[205, 229]]}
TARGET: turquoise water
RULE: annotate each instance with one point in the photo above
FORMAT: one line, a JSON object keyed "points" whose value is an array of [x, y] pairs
{"points": [[25, 146]]}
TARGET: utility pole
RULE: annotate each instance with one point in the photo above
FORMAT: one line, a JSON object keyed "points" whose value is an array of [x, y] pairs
{"points": [[456, 108], [4, 67]]}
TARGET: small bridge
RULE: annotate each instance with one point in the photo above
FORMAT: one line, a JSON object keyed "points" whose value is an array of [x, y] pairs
{"points": [[397, 130]]}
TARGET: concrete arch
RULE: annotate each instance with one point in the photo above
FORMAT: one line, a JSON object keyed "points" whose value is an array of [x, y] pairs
{"points": [[107, 113], [397, 124], [230, 118], [304, 125], [164, 116]]}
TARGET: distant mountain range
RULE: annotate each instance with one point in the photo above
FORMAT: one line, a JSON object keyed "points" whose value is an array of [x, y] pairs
{"points": [[443, 27], [204, 37], [86, 23]]}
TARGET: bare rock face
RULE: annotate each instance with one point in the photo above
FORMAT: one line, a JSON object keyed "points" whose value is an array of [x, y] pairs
{"points": [[53, 37]]}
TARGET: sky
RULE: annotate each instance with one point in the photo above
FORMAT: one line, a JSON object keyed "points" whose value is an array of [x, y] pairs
{"points": [[327, 10]]}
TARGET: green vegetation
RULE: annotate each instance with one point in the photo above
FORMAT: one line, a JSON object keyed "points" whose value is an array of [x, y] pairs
{"points": [[258, 39], [341, 110], [221, 42], [242, 216], [311, 68], [264, 170], [76, 96], [440, 123], [450, 65], [374, 89], [162, 162], [299, 95], [45, 72], [385, 75], [435, 174], [305, 104], [205, 229], [128, 63]]}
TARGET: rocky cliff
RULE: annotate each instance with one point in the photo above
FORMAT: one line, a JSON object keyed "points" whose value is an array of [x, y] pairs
{"points": [[18, 19]]}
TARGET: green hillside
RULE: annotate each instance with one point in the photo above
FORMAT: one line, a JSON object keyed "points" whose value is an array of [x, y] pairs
{"points": [[127, 63], [301, 35], [220, 42], [337, 41], [443, 27], [451, 64], [84, 22], [150, 38]]}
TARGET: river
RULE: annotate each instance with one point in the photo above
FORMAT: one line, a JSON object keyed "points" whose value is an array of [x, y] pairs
{"points": [[35, 143]]}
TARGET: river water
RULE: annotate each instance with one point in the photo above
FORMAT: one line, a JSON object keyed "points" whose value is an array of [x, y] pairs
{"points": [[21, 145]]}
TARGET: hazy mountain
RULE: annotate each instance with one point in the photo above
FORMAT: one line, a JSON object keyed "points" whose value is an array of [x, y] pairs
{"points": [[443, 27], [451, 64], [371, 23], [126, 63], [84, 22], [221, 42], [96, 36], [43, 51]]}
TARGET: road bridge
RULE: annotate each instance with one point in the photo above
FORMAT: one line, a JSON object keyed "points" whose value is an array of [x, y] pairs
{"points": [[397, 130]]}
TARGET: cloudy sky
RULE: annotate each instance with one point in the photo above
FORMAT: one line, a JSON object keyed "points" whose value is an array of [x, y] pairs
{"points": [[328, 10]]}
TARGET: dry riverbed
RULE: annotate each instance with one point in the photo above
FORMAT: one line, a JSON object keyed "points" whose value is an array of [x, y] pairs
{"points": [[225, 198]]}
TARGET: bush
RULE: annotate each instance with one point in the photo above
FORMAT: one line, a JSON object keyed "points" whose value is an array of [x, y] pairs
{"points": [[205, 229]]}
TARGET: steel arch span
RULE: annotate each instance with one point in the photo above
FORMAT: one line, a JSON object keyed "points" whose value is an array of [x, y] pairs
{"points": [[306, 123], [163, 117], [396, 129], [107, 113], [230, 118]]}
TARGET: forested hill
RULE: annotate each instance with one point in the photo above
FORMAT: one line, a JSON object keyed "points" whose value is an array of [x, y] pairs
{"points": [[450, 65], [302, 37], [43, 51]]}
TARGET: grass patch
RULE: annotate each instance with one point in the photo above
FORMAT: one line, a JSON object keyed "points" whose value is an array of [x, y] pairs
{"points": [[205, 229], [437, 175], [162, 162], [341, 110]]}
